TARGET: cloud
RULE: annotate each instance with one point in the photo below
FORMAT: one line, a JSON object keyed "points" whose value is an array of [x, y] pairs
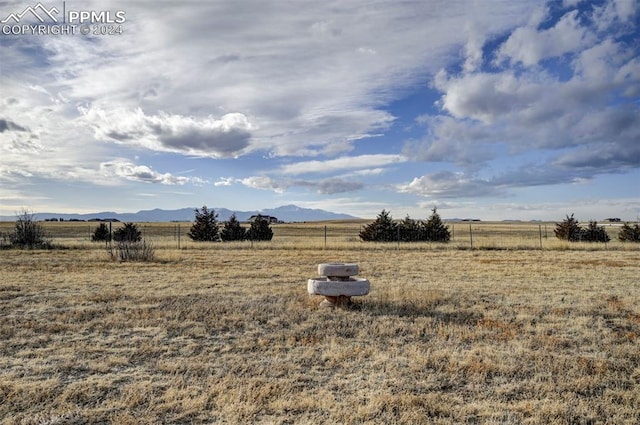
{"points": [[302, 91], [528, 46], [6, 125], [447, 184], [264, 183], [328, 186], [587, 115], [223, 137], [331, 186], [142, 173], [488, 97], [311, 80], [347, 163], [224, 181]]}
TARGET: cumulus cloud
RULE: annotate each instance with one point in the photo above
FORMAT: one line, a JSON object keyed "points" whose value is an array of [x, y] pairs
{"points": [[447, 184], [486, 96], [528, 45], [223, 137], [589, 115]]}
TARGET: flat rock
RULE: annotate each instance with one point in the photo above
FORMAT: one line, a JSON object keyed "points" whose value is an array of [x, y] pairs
{"points": [[355, 286]]}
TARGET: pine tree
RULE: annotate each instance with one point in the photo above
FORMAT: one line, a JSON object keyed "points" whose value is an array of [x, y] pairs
{"points": [[383, 229], [260, 230], [568, 230], [232, 230], [101, 233], [434, 229], [629, 233], [410, 230], [595, 233], [205, 227], [128, 233]]}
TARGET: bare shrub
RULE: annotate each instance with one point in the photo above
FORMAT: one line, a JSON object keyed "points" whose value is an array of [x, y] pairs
{"points": [[126, 250], [28, 233]]}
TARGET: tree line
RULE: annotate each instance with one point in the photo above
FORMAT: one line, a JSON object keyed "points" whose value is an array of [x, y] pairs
{"points": [[386, 229], [570, 230]]}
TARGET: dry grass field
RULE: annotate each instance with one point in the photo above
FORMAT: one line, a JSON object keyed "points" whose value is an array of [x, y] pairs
{"points": [[343, 234], [228, 334]]}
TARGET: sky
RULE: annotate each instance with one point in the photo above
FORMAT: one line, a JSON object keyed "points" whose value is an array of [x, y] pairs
{"points": [[487, 109]]}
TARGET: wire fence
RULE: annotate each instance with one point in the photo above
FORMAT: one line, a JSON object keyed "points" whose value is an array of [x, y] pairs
{"points": [[464, 235]]}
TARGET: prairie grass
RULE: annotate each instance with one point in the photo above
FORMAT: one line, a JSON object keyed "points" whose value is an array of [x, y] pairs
{"points": [[343, 234], [229, 335]]}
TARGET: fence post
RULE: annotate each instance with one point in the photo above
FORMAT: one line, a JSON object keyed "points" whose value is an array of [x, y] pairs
{"points": [[540, 231], [178, 236], [325, 235], [471, 236]]}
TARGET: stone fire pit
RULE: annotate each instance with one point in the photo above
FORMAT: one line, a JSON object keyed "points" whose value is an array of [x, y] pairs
{"points": [[337, 282]]}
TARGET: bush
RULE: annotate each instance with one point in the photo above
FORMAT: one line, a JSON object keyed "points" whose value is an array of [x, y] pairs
{"points": [[128, 233], [629, 233], [28, 233], [232, 230], [383, 229], [126, 250], [205, 227], [101, 233], [434, 229], [260, 230]]}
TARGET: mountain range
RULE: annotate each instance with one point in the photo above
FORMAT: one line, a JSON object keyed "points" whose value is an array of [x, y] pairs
{"points": [[286, 213]]}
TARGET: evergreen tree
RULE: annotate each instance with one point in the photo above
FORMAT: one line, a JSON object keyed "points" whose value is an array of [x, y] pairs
{"points": [[128, 233], [232, 230], [410, 230], [568, 230], [383, 229], [205, 227], [434, 229], [101, 233], [629, 233], [260, 230], [595, 233]]}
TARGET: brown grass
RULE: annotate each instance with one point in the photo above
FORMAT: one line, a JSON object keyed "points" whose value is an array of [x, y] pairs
{"points": [[229, 334]]}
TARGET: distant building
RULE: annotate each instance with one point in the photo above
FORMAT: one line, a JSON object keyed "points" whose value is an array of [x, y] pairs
{"points": [[271, 219], [613, 220]]}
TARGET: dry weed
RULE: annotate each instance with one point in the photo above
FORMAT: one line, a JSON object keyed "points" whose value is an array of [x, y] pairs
{"points": [[230, 336]]}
